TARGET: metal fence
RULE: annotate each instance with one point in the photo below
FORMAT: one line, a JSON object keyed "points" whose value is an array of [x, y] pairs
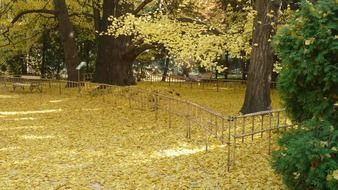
{"points": [[181, 81], [203, 83], [198, 121]]}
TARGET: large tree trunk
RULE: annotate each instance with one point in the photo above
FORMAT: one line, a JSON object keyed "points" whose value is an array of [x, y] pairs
{"points": [[113, 65], [68, 39], [257, 95]]}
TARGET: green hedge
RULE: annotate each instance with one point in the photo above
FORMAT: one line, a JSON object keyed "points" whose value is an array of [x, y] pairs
{"points": [[308, 85]]}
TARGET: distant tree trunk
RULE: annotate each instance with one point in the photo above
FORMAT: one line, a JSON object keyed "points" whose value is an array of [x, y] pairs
{"points": [[68, 39], [44, 49], [185, 71], [226, 64], [257, 95], [23, 65], [166, 68]]}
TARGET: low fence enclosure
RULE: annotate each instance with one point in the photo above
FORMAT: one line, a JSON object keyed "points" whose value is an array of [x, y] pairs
{"points": [[197, 122]]}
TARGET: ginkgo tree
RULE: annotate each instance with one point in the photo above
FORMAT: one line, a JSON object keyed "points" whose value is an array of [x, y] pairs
{"points": [[36, 9], [190, 30], [189, 37]]}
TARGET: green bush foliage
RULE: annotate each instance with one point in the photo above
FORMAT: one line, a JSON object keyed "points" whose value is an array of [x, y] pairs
{"points": [[308, 85]]}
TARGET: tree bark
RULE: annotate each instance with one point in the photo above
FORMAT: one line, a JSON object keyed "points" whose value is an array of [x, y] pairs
{"points": [[112, 65], [257, 95], [68, 39], [114, 58]]}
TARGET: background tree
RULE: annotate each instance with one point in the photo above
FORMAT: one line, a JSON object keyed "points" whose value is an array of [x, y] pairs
{"points": [[307, 47], [41, 12]]}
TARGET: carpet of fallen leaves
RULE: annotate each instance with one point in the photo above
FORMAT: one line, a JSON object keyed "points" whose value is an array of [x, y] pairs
{"points": [[51, 141]]}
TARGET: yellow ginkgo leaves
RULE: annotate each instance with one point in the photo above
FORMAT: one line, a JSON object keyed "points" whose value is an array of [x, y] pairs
{"points": [[91, 143]]}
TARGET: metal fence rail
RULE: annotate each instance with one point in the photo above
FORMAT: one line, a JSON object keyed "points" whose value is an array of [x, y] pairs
{"points": [[214, 84]]}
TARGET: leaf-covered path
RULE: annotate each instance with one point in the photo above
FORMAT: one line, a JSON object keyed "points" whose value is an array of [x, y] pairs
{"points": [[85, 142]]}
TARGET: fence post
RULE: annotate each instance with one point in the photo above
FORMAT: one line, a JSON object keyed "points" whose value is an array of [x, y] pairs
{"points": [[156, 106], [189, 121], [243, 129], [216, 126], [189, 128], [169, 112], [253, 128], [206, 139], [60, 88], [229, 139], [262, 125], [235, 134], [270, 127]]}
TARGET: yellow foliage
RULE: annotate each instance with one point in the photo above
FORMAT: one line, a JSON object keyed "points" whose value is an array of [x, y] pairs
{"points": [[87, 142]]}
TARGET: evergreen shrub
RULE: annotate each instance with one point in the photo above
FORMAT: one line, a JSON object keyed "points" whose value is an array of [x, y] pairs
{"points": [[307, 46]]}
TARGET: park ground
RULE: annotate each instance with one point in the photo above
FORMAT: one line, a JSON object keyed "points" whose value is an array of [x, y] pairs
{"points": [[52, 141]]}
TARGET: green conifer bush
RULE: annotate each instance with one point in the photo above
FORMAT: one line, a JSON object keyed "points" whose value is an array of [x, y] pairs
{"points": [[308, 86]]}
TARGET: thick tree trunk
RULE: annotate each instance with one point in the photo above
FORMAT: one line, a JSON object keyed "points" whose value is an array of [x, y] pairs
{"points": [[257, 95], [68, 39], [113, 66]]}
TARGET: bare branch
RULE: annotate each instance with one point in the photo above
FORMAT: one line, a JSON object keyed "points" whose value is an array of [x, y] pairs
{"points": [[44, 11], [135, 50], [141, 6], [81, 15]]}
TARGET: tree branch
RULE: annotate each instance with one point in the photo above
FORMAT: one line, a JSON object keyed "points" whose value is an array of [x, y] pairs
{"points": [[138, 47], [88, 15], [144, 47], [44, 11], [190, 20], [141, 6]]}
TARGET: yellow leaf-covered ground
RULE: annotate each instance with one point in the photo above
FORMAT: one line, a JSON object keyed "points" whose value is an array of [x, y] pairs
{"points": [[50, 141]]}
